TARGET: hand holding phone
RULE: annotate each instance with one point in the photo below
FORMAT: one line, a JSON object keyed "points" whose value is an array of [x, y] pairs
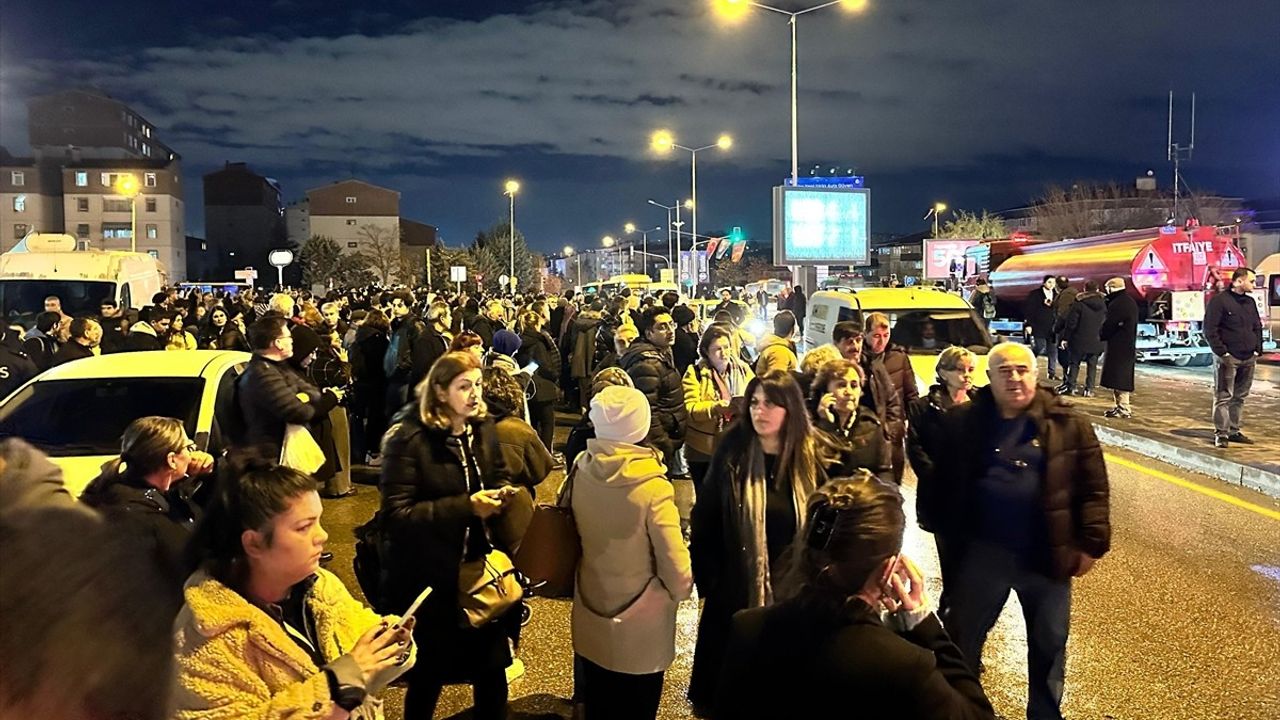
{"points": [[407, 617]]}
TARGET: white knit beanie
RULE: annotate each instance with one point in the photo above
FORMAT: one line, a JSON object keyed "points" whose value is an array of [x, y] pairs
{"points": [[621, 414]]}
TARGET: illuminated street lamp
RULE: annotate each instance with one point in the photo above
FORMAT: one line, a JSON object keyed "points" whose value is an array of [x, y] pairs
{"points": [[663, 141], [937, 209], [733, 9], [630, 228], [129, 187], [512, 188], [609, 242]]}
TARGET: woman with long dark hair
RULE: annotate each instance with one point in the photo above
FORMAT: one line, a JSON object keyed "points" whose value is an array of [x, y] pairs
{"points": [[266, 632], [749, 511], [827, 632], [222, 331], [443, 477]]}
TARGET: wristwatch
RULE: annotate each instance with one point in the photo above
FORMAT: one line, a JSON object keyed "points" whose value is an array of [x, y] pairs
{"points": [[347, 697]]}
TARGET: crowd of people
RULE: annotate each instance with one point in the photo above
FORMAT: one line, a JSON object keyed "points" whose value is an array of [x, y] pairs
{"points": [[793, 540]]}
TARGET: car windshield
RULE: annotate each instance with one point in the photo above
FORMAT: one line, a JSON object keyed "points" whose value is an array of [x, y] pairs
{"points": [[932, 331], [87, 417], [22, 300]]}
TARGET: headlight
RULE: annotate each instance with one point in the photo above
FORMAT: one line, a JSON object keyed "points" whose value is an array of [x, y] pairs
{"points": [[757, 327]]}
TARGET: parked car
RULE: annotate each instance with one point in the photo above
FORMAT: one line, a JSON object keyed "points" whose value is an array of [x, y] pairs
{"points": [[924, 320], [76, 412]]}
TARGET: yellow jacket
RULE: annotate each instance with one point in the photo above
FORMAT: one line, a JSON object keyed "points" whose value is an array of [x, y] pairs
{"points": [[775, 354], [235, 661], [702, 402]]}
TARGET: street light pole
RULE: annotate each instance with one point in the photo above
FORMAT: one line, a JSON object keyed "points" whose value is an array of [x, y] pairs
{"points": [[662, 141], [511, 188], [791, 19]]}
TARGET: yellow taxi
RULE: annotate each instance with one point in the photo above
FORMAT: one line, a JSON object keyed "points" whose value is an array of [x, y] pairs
{"points": [[924, 320], [76, 413]]}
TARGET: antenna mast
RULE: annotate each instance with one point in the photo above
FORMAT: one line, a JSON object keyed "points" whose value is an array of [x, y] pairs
{"points": [[1177, 152]]}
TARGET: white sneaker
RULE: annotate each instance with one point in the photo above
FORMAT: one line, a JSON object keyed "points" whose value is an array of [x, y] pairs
{"points": [[515, 669]]}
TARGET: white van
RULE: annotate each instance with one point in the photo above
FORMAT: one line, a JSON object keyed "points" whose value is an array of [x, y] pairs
{"points": [[47, 264], [924, 320], [1269, 280]]}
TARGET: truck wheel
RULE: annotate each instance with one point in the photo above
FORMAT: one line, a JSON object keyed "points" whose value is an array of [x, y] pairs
{"points": [[1202, 360], [1181, 360]]}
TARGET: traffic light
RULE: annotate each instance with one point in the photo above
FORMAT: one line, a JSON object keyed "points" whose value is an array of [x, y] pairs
{"points": [[736, 235]]}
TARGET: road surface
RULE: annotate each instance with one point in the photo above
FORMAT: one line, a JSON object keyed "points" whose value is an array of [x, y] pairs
{"points": [[1181, 621]]}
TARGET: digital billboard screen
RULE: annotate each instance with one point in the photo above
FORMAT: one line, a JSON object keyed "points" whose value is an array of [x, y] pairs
{"points": [[943, 258], [821, 226]]}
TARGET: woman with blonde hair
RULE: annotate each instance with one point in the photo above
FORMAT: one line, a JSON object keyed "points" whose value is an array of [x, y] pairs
{"points": [[443, 480]]}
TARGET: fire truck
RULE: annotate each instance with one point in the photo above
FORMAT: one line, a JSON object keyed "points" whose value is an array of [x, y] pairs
{"points": [[1169, 270]]}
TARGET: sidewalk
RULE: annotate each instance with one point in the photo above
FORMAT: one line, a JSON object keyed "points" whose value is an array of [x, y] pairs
{"points": [[1173, 422]]}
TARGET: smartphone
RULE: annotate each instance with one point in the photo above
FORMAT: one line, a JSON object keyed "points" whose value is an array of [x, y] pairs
{"points": [[531, 368], [417, 603], [887, 582]]}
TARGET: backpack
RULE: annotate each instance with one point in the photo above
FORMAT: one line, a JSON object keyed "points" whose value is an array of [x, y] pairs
{"points": [[367, 563], [391, 359]]}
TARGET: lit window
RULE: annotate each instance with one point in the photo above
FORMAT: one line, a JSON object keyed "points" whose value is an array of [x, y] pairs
{"points": [[154, 253], [146, 149], [20, 178], [353, 245], [149, 179], [204, 246], [146, 130], [351, 199], [351, 221], [106, 179], [20, 203], [82, 179], [151, 232]]}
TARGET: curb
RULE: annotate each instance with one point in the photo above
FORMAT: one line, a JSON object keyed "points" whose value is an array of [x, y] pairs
{"points": [[1232, 473]]}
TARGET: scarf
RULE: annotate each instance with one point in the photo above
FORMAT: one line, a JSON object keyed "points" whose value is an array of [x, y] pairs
{"points": [[751, 519]]}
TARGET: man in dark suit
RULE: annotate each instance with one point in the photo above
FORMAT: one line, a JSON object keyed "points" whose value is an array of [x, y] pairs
{"points": [[1038, 312]]}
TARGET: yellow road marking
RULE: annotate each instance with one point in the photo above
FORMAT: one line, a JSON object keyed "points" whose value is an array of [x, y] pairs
{"points": [[1265, 512]]}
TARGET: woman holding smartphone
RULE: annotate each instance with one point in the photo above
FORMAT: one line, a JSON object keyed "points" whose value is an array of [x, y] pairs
{"points": [[539, 349], [838, 410], [265, 631], [853, 619], [443, 479]]}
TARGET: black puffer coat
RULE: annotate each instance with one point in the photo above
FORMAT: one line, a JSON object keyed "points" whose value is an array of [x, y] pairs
{"points": [[267, 394], [1084, 322], [654, 373], [924, 448], [538, 347], [1074, 493]]}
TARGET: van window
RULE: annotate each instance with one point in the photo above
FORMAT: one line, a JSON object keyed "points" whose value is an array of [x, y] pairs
{"points": [[848, 313], [820, 311], [126, 300], [932, 331]]}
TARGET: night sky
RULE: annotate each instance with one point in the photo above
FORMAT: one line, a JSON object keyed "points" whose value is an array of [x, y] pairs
{"points": [[979, 103]]}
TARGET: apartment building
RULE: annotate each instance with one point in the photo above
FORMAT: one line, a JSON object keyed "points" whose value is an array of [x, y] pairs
{"points": [[99, 217], [30, 199]]}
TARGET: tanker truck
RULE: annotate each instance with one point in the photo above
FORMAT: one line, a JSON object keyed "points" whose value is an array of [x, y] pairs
{"points": [[1166, 269]]}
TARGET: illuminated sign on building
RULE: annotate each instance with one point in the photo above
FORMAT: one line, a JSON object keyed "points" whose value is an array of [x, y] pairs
{"points": [[821, 226]]}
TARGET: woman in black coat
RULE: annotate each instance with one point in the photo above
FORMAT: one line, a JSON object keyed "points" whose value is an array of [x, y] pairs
{"points": [[221, 332], [826, 634], [835, 396], [537, 346], [1120, 330], [369, 385], [143, 495], [750, 507], [442, 483]]}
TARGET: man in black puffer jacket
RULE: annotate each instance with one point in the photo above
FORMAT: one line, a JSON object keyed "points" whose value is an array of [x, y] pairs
{"points": [[1081, 336], [652, 368], [270, 395]]}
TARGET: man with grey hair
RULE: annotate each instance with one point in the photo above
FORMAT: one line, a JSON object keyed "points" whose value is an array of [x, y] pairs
{"points": [[1029, 510], [1120, 332]]}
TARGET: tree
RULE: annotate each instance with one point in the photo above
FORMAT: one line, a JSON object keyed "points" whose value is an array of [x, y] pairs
{"points": [[491, 253], [320, 258], [970, 226], [553, 285], [1087, 209], [380, 247]]}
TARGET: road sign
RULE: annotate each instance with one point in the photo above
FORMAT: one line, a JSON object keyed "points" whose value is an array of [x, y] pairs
{"points": [[458, 273], [280, 258], [503, 279], [246, 274]]}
